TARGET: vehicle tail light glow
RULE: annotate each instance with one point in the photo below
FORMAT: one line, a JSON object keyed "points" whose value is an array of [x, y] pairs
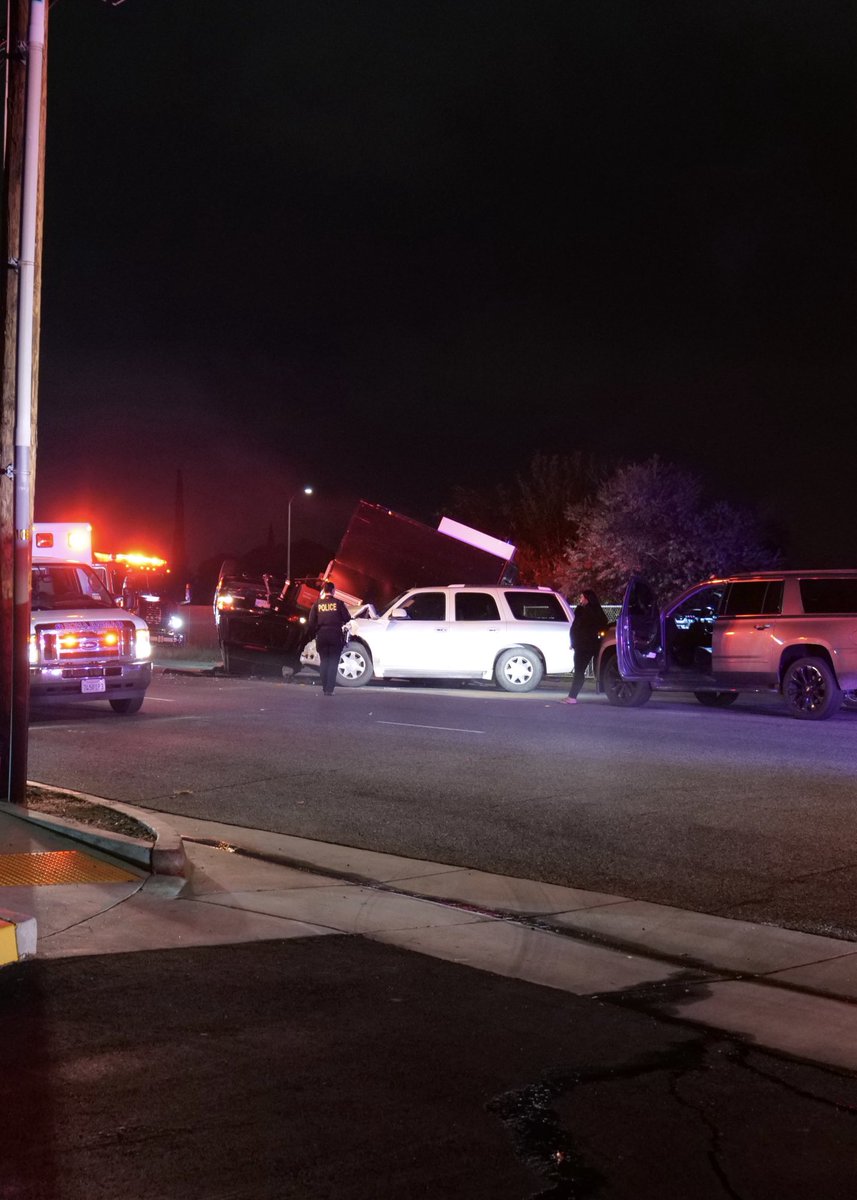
{"points": [[69, 641]]}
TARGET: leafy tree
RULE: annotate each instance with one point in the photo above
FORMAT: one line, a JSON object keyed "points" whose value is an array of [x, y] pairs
{"points": [[653, 518]]}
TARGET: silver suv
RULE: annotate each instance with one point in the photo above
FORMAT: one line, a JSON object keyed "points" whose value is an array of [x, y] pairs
{"points": [[513, 635], [790, 632]]}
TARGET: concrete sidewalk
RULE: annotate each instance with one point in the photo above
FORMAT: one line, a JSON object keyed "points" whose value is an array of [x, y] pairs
{"points": [[70, 890]]}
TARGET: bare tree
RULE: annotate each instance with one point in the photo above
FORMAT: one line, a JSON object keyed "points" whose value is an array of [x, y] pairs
{"points": [[536, 510]]}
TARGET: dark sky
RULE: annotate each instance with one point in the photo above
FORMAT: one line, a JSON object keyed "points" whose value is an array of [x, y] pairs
{"points": [[389, 247]]}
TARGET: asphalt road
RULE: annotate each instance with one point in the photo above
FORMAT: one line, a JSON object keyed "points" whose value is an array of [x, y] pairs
{"points": [[743, 812], [340, 1068]]}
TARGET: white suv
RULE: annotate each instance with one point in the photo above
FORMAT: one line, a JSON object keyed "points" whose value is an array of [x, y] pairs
{"points": [[514, 636]]}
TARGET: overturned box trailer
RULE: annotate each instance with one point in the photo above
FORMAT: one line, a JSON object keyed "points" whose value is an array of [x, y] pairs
{"points": [[383, 553]]}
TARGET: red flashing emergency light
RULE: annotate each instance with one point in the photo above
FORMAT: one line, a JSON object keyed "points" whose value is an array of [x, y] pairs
{"points": [[143, 562]]}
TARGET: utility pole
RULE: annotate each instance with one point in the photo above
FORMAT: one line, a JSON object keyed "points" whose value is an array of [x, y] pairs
{"points": [[178, 554], [17, 14], [26, 83]]}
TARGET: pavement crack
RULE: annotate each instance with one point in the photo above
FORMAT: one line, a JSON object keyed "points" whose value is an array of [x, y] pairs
{"points": [[715, 1137], [742, 1055], [45, 938]]}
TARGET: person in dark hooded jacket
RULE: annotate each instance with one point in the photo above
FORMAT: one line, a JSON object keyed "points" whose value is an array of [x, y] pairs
{"points": [[589, 623]]}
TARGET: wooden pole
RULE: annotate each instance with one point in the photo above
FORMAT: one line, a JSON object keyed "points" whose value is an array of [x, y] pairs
{"points": [[28, 271], [17, 18]]}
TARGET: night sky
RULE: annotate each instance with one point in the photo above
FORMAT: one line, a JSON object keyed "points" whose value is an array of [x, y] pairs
{"points": [[390, 247]]}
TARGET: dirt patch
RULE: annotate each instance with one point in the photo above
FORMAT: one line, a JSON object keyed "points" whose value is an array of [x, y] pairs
{"points": [[86, 812]]}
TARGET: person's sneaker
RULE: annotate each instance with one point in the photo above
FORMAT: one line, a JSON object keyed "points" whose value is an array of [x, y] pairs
{"points": [[568, 700]]}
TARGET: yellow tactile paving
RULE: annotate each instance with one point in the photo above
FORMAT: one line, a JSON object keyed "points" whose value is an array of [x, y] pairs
{"points": [[57, 866], [8, 943]]}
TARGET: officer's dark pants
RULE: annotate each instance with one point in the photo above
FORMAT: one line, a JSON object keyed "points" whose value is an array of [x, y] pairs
{"points": [[329, 650], [583, 656]]}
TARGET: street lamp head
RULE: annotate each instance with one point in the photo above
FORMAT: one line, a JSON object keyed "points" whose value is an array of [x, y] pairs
{"points": [[307, 491]]}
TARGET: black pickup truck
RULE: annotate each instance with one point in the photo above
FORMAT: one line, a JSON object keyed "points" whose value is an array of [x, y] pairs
{"points": [[261, 624]]}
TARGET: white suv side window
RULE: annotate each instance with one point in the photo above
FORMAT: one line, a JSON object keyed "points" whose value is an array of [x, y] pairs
{"points": [[425, 606], [536, 606], [476, 606]]}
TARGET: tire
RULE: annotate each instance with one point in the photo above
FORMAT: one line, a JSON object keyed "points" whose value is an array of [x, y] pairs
{"points": [[228, 661], [355, 666], [716, 699], [849, 699], [518, 670], [130, 704], [623, 693], [810, 689]]}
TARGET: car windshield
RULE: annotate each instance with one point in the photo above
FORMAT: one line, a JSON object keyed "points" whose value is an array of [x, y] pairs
{"points": [[151, 583], [67, 585]]}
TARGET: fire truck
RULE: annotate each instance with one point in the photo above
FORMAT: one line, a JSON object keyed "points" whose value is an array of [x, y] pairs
{"points": [[143, 584], [83, 645]]}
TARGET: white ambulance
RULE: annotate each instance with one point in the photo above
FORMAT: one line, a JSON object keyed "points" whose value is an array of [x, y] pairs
{"points": [[83, 646]]}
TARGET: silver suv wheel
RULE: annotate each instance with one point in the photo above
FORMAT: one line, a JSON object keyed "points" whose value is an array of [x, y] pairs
{"points": [[810, 689], [622, 693]]}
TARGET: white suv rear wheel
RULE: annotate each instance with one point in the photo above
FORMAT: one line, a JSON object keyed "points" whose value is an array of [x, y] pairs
{"points": [[518, 670]]}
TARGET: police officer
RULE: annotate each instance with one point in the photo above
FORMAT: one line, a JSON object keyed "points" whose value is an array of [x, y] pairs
{"points": [[325, 621]]}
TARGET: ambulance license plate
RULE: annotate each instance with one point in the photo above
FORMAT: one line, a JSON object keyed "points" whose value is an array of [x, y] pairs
{"points": [[93, 685]]}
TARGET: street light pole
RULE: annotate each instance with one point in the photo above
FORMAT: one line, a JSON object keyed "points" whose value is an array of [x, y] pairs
{"points": [[307, 491]]}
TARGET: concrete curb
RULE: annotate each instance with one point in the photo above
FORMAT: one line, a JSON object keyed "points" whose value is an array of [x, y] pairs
{"points": [[165, 856], [777, 957]]}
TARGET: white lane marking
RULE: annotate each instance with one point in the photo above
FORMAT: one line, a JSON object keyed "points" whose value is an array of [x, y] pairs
{"points": [[444, 728], [162, 699]]}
